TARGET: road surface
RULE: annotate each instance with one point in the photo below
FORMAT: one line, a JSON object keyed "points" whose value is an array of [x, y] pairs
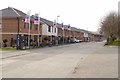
{"points": [[81, 60]]}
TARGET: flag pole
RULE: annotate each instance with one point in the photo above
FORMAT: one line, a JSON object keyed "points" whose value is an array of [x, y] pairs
{"points": [[63, 32], [37, 22], [29, 31], [38, 30]]}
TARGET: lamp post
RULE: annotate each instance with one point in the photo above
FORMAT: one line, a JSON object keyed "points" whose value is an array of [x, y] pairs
{"points": [[57, 18], [57, 29]]}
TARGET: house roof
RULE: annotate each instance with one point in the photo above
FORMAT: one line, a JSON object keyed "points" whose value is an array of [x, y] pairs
{"points": [[74, 29], [65, 26], [59, 25], [12, 13], [48, 22]]}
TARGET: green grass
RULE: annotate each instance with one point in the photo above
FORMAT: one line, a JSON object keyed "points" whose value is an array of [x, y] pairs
{"points": [[8, 48], [115, 43]]}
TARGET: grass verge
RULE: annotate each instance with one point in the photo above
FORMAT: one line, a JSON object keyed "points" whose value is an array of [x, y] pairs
{"points": [[8, 48], [115, 43]]}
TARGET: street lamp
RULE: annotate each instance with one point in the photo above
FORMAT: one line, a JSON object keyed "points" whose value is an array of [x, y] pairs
{"points": [[57, 28], [57, 18]]}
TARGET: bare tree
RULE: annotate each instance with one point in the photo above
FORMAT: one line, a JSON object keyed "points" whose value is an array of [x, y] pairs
{"points": [[119, 24], [109, 26]]}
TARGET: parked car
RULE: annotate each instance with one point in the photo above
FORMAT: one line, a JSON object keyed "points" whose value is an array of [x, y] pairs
{"points": [[81, 40], [76, 40]]}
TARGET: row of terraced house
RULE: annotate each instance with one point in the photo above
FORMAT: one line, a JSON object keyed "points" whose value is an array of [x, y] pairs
{"points": [[48, 32]]}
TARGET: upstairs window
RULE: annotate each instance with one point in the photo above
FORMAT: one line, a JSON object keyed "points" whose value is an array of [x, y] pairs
{"points": [[49, 28], [30, 25], [55, 30], [24, 25], [52, 29], [36, 26]]}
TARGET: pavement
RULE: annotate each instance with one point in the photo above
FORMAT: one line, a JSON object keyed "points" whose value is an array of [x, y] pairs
{"points": [[81, 60], [12, 53]]}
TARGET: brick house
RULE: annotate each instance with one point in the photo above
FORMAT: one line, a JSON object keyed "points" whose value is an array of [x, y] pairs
{"points": [[67, 34], [81, 34], [60, 33], [13, 24], [77, 33]]}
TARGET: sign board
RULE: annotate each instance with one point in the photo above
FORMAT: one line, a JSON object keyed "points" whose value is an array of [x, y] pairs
{"points": [[36, 19]]}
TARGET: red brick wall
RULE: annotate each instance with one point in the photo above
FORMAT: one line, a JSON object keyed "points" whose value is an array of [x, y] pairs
{"points": [[67, 33], [11, 25], [10, 29], [60, 32]]}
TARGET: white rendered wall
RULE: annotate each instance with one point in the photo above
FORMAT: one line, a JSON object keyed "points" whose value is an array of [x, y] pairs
{"points": [[45, 30]]}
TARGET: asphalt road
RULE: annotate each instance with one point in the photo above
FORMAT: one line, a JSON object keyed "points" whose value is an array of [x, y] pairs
{"points": [[81, 60]]}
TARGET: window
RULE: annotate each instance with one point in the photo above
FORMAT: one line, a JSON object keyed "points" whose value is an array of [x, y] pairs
{"points": [[36, 26], [55, 30], [49, 28], [52, 28], [35, 38], [24, 25], [30, 25]]}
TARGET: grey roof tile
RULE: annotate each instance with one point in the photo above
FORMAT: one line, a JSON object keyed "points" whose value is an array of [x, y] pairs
{"points": [[50, 23], [12, 13]]}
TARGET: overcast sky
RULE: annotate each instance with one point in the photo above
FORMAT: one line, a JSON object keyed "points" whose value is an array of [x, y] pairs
{"points": [[84, 14]]}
